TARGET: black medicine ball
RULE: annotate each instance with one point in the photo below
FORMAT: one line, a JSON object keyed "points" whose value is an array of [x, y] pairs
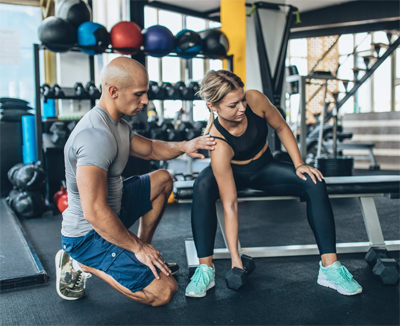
{"points": [[215, 43], [74, 12], [57, 34]]}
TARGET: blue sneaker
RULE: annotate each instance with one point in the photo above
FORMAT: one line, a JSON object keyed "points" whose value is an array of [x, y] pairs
{"points": [[202, 280], [337, 277]]}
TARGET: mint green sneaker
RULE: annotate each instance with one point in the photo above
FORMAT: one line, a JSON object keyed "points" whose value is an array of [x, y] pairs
{"points": [[337, 277], [202, 280]]}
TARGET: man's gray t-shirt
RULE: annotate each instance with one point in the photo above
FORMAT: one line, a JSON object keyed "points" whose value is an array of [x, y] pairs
{"points": [[100, 141]]}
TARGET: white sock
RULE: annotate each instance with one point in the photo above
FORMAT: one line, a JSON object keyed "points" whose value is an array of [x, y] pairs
{"points": [[76, 266]]}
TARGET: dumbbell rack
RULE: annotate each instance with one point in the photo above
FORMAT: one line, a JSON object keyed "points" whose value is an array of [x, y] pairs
{"points": [[70, 92]]}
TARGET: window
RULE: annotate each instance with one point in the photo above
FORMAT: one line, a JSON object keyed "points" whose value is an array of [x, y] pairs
{"points": [[150, 16], [171, 69], [364, 97], [18, 33], [397, 98], [198, 69], [195, 24], [200, 111], [153, 68], [215, 64], [171, 20], [382, 87]]}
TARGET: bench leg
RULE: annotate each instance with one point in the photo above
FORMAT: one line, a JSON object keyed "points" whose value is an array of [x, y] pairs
{"points": [[221, 221], [371, 221]]}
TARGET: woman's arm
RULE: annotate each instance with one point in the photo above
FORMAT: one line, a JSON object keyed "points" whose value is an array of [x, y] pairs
{"points": [[260, 102], [221, 165]]}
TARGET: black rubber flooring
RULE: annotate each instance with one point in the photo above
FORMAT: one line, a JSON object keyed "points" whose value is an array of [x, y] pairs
{"points": [[15, 257], [282, 291]]}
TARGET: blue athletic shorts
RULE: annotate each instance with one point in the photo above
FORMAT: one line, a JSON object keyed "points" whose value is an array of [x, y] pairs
{"points": [[93, 251]]}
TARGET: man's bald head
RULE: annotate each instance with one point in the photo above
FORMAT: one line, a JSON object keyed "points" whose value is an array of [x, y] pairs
{"points": [[122, 72]]}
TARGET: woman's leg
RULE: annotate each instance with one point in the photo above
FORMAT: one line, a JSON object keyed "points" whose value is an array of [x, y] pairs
{"points": [[204, 216], [280, 179]]}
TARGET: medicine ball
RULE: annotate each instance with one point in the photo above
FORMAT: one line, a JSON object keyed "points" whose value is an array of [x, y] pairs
{"points": [[57, 34], [187, 43], [74, 12], [93, 34], [215, 43], [126, 34], [159, 39]]}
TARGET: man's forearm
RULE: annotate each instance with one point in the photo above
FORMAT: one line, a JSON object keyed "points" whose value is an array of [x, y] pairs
{"points": [[108, 225], [163, 150]]}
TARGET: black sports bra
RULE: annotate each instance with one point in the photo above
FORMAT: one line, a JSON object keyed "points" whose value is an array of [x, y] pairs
{"points": [[251, 142]]}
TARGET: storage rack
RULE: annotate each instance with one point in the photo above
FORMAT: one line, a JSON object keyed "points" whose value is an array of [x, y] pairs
{"points": [[39, 124]]}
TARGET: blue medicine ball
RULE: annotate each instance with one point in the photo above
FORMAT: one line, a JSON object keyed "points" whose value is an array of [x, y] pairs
{"points": [[93, 34], [187, 43], [159, 39]]}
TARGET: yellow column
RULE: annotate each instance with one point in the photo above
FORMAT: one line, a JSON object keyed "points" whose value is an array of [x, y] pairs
{"points": [[233, 20]]}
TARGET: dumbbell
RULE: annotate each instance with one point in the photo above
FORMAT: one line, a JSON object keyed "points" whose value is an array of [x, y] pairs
{"points": [[155, 131], [383, 266], [80, 91], [192, 133], [155, 92], [237, 277], [193, 88], [200, 125], [170, 91], [140, 129], [179, 177], [170, 133], [59, 133], [92, 90], [58, 92], [47, 91], [180, 89]]}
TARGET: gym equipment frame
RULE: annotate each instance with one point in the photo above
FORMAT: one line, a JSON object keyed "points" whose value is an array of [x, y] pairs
{"points": [[365, 188]]}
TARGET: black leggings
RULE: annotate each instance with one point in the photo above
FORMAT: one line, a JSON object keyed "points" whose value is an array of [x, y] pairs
{"points": [[273, 177]]}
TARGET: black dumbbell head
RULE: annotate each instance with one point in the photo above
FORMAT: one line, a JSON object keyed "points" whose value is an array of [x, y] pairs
{"points": [[374, 253], [387, 270], [58, 92], [248, 264], [236, 278]]}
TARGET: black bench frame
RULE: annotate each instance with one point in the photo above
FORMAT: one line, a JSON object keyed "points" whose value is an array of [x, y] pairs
{"points": [[367, 204]]}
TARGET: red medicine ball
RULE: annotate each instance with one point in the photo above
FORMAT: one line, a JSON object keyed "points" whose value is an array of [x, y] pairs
{"points": [[126, 34]]}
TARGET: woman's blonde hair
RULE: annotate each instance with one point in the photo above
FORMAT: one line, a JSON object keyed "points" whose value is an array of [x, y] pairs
{"points": [[214, 87]]}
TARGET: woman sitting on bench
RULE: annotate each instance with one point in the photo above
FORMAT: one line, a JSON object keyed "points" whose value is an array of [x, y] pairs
{"points": [[242, 159]]}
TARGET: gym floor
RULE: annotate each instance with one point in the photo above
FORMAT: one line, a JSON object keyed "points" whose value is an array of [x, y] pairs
{"points": [[281, 291]]}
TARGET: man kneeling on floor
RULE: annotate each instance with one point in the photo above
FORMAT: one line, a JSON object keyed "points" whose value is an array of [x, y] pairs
{"points": [[102, 207]]}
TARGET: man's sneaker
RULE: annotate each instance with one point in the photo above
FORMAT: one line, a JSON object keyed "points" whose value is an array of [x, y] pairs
{"points": [[202, 280], [70, 284], [337, 277], [174, 267]]}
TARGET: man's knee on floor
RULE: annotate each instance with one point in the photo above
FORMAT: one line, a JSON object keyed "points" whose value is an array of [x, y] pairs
{"points": [[167, 294], [164, 292]]}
